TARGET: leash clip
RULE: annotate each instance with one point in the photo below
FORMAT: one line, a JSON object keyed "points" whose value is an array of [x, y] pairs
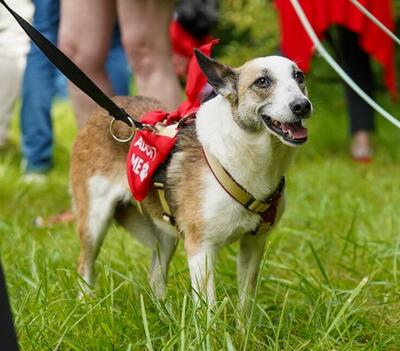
{"points": [[184, 120], [132, 129]]}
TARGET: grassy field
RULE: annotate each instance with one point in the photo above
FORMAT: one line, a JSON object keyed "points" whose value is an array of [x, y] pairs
{"points": [[330, 277]]}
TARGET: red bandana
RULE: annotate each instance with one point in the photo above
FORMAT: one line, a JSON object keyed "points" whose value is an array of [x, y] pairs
{"points": [[149, 150]]}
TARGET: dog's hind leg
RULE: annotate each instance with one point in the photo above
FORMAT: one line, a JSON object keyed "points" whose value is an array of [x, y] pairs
{"points": [[163, 251], [158, 236], [102, 197], [248, 263]]}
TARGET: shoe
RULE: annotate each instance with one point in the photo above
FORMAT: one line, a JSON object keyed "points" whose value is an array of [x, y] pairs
{"points": [[34, 178], [35, 174], [361, 150], [65, 217]]}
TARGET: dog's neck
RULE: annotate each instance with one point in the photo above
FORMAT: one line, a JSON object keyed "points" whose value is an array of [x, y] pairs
{"points": [[257, 161]]}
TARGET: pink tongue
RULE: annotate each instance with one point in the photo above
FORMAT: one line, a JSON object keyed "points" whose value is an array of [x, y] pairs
{"points": [[298, 131]]}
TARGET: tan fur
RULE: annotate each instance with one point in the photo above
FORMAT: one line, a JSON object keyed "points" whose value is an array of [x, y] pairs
{"points": [[96, 152], [184, 187], [248, 74]]}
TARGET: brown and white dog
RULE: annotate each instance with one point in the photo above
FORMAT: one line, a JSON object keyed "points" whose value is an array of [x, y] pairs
{"points": [[250, 127]]}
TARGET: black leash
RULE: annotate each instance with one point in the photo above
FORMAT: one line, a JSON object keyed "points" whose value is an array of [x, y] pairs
{"points": [[72, 72]]}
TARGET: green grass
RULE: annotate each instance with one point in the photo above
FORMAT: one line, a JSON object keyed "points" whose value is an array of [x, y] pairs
{"points": [[341, 228], [330, 277]]}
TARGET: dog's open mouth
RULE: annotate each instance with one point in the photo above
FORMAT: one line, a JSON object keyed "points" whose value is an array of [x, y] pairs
{"points": [[293, 133]]}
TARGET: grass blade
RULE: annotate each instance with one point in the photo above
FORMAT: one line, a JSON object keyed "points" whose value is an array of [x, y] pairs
{"points": [[344, 308], [319, 263], [145, 324]]}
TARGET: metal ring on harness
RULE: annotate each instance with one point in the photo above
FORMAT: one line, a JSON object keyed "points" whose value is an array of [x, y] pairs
{"points": [[132, 128]]}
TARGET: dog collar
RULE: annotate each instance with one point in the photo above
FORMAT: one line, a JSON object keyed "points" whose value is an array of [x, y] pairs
{"points": [[265, 208]]}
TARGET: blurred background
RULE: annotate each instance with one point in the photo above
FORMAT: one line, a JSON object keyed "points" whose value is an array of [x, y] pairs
{"points": [[342, 224]]}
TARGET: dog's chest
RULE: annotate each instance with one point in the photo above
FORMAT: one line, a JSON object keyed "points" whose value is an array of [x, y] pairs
{"points": [[225, 220]]}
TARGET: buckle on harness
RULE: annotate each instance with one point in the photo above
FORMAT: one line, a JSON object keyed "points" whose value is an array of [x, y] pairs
{"points": [[167, 215], [257, 206]]}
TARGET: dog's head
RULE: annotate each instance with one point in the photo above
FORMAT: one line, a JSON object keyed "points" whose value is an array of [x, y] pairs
{"points": [[266, 94]]}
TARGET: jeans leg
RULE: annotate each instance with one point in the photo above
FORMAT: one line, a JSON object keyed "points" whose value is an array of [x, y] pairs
{"points": [[117, 66], [357, 65], [38, 92]]}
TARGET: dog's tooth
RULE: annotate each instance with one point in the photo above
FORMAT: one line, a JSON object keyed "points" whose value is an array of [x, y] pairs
{"points": [[290, 133]]}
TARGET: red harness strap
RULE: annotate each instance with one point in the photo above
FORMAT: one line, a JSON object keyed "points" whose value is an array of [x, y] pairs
{"points": [[269, 216]]}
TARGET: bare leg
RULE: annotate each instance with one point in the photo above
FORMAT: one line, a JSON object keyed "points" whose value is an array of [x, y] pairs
{"points": [[144, 28], [85, 35], [248, 264]]}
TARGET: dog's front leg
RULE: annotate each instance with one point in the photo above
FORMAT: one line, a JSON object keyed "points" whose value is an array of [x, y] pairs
{"points": [[201, 264], [250, 255]]}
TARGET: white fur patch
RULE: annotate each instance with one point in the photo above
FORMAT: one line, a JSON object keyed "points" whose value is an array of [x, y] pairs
{"points": [[103, 196], [225, 219], [201, 267]]}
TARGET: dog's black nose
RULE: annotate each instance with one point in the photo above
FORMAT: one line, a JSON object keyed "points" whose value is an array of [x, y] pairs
{"points": [[300, 107]]}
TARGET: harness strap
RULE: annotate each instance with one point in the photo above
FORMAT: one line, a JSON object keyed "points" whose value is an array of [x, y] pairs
{"points": [[237, 192], [72, 72], [167, 214], [266, 209]]}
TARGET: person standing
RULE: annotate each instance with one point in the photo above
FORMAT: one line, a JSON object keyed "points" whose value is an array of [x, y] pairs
{"points": [[358, 39], [39, 89], [85, 34], [14, 46]]}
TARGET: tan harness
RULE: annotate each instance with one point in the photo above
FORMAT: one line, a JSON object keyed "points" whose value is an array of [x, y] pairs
{"points": [[265, 208]]}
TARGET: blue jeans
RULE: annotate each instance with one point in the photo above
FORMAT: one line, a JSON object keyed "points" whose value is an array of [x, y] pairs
{"points": [[40, 84]]}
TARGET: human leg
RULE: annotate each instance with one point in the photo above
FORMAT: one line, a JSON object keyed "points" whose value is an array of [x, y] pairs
{"points": [[144, 28], [11, 71], [38, 92], [361, 116], [85, 35], [117, 65]]}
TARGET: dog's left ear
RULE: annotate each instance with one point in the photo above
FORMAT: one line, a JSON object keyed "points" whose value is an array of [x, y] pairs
{"points": [[221, 77]]}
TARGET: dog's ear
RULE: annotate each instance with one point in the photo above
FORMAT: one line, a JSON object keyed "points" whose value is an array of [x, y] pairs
{"points": [[221, 77]]}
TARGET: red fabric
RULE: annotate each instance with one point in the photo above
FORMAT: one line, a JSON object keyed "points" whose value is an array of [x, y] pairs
{"points": [[183, 42], [269, 216], [149, 150], [322, 14]]}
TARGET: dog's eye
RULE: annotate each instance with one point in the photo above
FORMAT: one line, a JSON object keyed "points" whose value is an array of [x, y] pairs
{"points": [[299, 76], [262, 82]]}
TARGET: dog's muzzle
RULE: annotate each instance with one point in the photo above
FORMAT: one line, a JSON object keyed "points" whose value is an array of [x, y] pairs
{"points": [[293, 133]]}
